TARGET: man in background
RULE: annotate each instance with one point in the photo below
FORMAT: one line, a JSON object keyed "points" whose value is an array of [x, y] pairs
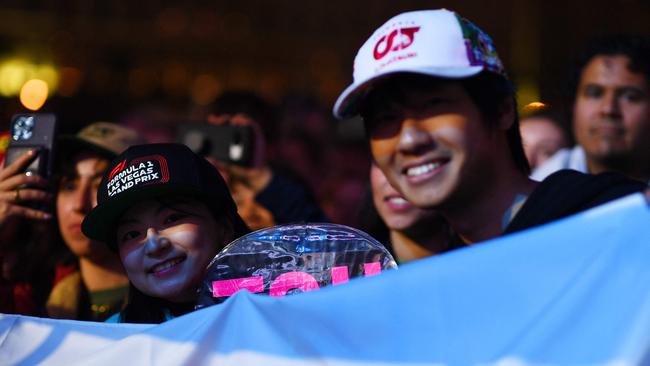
{"points": [[611, 110]]}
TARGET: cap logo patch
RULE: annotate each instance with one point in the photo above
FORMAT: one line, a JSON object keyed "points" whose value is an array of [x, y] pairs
{"points": [[117, 168], [100, 132], [146, 170], [397, 39], [480, 47]]}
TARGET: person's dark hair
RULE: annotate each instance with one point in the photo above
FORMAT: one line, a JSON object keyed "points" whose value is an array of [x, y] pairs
{"points": [[634, 47], [142, 308], [371, 223], [490, 92], [249, 103], [552, 115]]}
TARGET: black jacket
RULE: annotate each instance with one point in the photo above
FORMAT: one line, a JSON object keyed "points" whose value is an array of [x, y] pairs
{"points": [[567, 192]]}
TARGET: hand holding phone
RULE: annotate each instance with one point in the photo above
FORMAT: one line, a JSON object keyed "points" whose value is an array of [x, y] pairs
{"points": [[16, 188], [28, 165], [257, 174]]}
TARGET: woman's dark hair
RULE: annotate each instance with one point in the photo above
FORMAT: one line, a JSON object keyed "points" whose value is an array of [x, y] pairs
{"points": [[371, 223], [142, 308]]}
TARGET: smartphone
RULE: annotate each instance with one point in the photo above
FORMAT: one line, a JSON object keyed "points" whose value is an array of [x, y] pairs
{"points": [[33, 132], [228, 143]]}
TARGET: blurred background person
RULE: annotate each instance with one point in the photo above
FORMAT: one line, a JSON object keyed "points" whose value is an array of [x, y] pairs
{"points": [[267, 192], [543, 134], [87, 279], [407, 231], [611, 110]]}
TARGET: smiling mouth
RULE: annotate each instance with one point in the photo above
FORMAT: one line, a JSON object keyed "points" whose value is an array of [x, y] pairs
{"points": [[396, 200], [419, 170], [164, 266]]}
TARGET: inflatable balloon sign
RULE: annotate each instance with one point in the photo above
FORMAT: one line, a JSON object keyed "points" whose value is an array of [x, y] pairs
{"points": [[292, 258]]}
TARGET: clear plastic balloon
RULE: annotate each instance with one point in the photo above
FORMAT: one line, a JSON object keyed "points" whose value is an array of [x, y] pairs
{"points": [[294, 258]]}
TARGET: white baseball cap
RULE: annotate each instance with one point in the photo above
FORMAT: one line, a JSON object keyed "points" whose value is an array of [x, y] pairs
{"points": [[437, 43]]}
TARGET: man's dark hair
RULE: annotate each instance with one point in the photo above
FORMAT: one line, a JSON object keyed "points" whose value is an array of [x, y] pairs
{"points": [[489, 92], [634, 47]]}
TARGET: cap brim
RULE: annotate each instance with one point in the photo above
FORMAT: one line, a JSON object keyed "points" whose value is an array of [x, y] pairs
{"points": [[348, 103], [100, 222]]}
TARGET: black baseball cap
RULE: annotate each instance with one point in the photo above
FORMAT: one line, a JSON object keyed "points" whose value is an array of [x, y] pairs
{"points": [[149, 171]]}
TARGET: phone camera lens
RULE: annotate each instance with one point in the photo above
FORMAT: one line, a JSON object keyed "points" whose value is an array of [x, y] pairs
{"points": [[23, 128]]}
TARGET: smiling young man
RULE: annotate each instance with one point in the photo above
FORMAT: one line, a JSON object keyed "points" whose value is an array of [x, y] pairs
{"points": [[441, 119]]}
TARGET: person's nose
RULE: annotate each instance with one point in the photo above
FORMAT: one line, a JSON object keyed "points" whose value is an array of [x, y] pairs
{"points": [[610, 105], [413, 139], [155, 244], [83, 199]]}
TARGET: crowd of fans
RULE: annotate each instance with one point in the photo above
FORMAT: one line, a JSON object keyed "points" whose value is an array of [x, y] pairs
{"points": [[449, 164]]}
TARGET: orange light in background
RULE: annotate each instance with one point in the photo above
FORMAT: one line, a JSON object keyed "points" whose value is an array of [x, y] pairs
{"points": [[33, 94], [535, 105]]}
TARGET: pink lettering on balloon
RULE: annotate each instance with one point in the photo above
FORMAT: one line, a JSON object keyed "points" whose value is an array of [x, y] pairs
{"points": [[229, 287], [339, 275], [287, 281], [371, 269]]}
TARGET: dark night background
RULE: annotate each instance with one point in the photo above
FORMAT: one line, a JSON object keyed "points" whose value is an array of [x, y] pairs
{"points": [[159, 63]]}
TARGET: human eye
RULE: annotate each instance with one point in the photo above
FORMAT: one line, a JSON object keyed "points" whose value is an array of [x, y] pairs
{"points": [[95, 185], [632, 94], [382, 125], [173, 217], [385, 127], [67, 185], [127, 235], [592, 91]]}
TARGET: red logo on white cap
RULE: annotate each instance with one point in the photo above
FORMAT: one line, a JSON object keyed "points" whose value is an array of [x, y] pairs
{"points": [[389, 43]]}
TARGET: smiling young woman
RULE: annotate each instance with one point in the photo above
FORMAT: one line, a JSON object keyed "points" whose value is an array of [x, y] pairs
{"points": [[167, 212]]}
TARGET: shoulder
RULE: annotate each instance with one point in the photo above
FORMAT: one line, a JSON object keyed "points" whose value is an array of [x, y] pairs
{"points": [[568, 158], [567, 192], [63, 301], [582, 185]]}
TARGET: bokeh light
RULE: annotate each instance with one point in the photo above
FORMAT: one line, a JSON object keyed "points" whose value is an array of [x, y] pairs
{"points": [[15, 72], [34, 94]]}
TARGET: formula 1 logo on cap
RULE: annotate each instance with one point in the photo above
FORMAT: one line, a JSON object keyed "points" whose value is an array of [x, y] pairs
{"points": [[398, 39], [141, 171]]}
